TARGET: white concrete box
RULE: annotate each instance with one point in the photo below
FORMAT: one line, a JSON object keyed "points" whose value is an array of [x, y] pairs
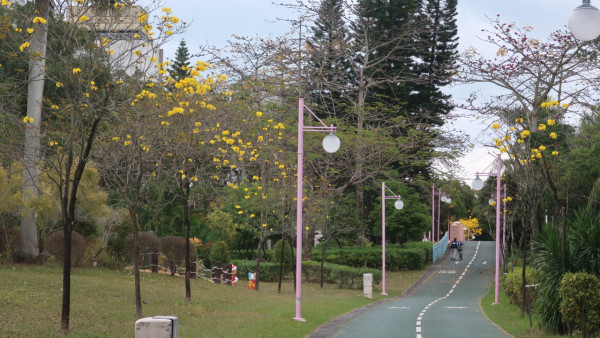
{"points": [[156, 327]]}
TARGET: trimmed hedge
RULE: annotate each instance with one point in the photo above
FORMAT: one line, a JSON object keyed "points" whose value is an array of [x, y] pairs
{"points": [[513, 286], [343, 276], [269, 272], [412, 257]]}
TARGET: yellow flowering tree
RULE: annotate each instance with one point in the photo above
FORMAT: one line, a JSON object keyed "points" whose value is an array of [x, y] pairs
{"points": [[473, 227], [82, 89]]}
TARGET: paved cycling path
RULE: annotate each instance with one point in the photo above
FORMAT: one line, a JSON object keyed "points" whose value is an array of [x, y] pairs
{"points": [[445, 305]]}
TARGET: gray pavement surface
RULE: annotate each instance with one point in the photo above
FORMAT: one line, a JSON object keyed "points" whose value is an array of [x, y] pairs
{"points": [[445, 303]]}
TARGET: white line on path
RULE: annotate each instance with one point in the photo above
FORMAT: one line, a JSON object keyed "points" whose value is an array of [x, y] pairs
{"points": [[398, 307], [422, 314]]}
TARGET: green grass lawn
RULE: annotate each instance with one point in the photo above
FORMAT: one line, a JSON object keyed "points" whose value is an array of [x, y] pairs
{"points": [[103, 304], [508, 316]]}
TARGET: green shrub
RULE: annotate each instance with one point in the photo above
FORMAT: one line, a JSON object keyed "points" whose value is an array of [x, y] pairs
{"points": [[55, 246], [344, 276], [513, 286], [580, 301], [269, 272], [396, 258], [220, 253], [203, 253], [275, 255], [242, 254], [426, 247], [173, 247]]}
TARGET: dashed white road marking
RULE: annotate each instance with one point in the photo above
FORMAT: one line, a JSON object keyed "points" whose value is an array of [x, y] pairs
{"points": [[398, 307], [420, 317]]}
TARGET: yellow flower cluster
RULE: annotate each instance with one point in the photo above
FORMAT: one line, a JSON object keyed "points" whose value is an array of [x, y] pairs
{"points": [[24, 46], [552, 104], [39, 19]]}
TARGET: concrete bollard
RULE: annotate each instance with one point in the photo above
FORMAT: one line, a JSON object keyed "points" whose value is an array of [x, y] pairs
{"points": [[157, 327], [368, 285]]}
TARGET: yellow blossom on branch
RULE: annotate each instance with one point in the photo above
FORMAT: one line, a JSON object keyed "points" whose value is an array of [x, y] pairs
{"points": [[551, 122], [39, 19], [28, 119], [76, 70], [83, 18], [542, 127], [496, 126], [24, 46], [553, 135]]}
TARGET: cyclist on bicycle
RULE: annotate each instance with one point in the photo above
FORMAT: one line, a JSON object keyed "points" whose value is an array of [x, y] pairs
{"points": [[455, 246]]}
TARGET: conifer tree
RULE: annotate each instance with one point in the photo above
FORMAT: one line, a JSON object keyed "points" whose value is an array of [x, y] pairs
{"points": [[327, 62], [180, 67]]}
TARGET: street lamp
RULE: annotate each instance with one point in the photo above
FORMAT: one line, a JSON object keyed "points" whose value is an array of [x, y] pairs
{"points": [[398, 205], [584, 22], [441, 198], [331, 144], [477, 184]]}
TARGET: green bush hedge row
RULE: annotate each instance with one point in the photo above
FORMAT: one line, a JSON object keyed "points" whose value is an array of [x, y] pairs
{"points": [[513, 286], [413, 257], [343, 276], [269, 272]]}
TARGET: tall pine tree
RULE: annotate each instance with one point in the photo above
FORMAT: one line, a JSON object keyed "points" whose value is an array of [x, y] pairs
{"points": [[327, 62], [180, 68]]}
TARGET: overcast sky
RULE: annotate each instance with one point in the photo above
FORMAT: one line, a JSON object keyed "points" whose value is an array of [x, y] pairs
{"points": [[214, 21]]}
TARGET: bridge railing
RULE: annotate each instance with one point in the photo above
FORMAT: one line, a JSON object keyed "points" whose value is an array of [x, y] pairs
{"points": [[440, 247]]}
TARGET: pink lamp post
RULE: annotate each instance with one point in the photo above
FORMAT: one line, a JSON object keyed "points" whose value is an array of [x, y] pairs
{"points": [[398, 205], [477, 184], [441, 198], [504, 226], [331, 144]]}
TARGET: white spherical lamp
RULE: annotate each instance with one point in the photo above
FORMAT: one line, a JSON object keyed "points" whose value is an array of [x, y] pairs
{"points": [[584, 22], [399, 204], [331, 143], [477, 183]]}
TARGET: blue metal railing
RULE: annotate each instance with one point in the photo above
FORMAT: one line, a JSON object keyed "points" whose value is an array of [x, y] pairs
{"points": [[440, 247]]}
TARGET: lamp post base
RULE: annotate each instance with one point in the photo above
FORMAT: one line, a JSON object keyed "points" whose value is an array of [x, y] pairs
{"points": [[300, 319], [383, 293]]}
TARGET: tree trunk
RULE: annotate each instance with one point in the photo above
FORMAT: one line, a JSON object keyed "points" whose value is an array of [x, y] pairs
{"points": [[323, 250], [308, 243], [563, 215], [136, 262], [293, 264], [260, 245], [31, 158], [186, 220], [281, 263], [66, 296]]}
